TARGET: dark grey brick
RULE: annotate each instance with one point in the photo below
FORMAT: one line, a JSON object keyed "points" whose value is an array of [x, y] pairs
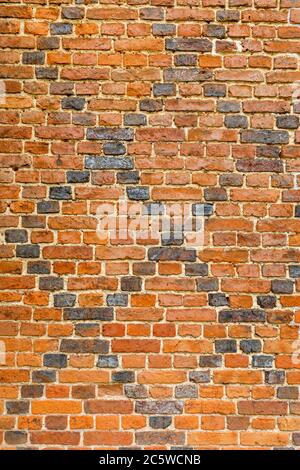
{"points": [[135, 119], [199, 376], [202, 209], [28, 251], [242, 315], [109, 361], [131, 284], [282, 286], [48, 73], [274, 376], [287, 122], [48, 207], [44, 376], [215, 194], [94, 313], [73, 102], [288, 393], [228, 106], [16, 236], [48, 43], [17, 407], [186, 60], [138, 193], [164, 89], [297, 211], [265, 137], [228, 15], [171, 254], [64, 300], [262, 361], [109, 133], [151, 106], [207, 285], [249, 346], [128, 177], [34, 58], [198, 269], [78, 346], [108, 163], [61, 192], [156, 407], [57, 361], [114, 148], [160, 422], [186, 391], [123, 376], [214, 89], [266, 301], [154, 208], [236, 122], [226, 346], [189, 44], [15, 437], [172, 238], [294, 270], [215, 31], [78, 176], [72, 13], [187, 75], [259, 165], [61, 28], [211, 360], [218, 299], [268, 151], [38, 267], [163, 29], [114, 300], [51, 283], [136, 391]]}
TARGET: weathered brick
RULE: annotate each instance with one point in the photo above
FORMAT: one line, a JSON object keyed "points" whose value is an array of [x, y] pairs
{"points": [[16, 236], [265, 137], [55, 360], [156, 407], [160, 422], [246, 315], [95, 313], [107, 133], [108, 362], [108, 163], [77, 346], [282, 286], [262, 361], [60, 192], [189, 44], [64, 300], [28, 251]]}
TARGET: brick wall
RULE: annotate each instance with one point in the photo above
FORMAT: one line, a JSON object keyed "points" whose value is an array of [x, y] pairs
{"points": [[154, 342]]}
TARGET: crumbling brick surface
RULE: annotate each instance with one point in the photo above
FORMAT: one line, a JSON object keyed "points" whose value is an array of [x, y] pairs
{"points": [[154, 342]]}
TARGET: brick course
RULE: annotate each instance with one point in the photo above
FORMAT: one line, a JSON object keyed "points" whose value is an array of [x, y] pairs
{"points": [[150, 343]]}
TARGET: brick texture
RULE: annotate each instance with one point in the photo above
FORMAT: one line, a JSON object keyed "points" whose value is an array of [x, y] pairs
{"points": [[150, 343]]}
